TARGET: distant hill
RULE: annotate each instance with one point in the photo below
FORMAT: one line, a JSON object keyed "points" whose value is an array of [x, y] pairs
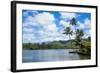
{"points": [[51, 45]]}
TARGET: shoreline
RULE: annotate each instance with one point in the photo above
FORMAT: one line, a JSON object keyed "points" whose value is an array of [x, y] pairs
{"points": [[47, 48]]}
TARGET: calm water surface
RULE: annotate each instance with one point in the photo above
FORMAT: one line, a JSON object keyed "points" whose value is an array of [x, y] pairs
{"points": [[49, 55]]}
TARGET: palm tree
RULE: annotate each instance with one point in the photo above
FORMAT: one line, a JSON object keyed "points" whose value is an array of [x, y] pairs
{"points": [[68, 31], [73, 22], [79, 33], [78, 39]]}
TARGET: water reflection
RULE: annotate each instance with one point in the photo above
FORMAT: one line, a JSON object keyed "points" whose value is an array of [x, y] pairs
{"points": [[50, 55]]}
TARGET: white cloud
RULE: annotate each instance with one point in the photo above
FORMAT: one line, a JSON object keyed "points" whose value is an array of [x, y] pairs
{"points": [[64, 23], [44, 18], [27, 38], [30, 19], [49, 30], [68, 15], [27, 24], [28, 30], [51, 36], [47, 21], [26, 13], [80, 25], [87, 34], [85, 25]]}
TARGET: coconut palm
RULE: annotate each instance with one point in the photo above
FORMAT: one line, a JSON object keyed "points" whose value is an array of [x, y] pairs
{"points": [[78, 39], [73, 22], [68, 31], [79, 33]]}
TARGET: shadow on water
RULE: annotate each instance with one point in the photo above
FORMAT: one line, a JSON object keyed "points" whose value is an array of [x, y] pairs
{"points": [[84, 57]]}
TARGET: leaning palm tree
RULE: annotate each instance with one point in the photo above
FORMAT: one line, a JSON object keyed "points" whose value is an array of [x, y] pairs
{"points": [[78, 39], [79, 33], [68, 31]]}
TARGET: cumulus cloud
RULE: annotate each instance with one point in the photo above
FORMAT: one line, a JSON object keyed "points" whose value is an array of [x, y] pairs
{"points": [[68, 15], [80, 25], [28, 12], [27, 38], [45, 18], [86, 24], [64, 23], [28, 30], [87, 34], [48, 29]]}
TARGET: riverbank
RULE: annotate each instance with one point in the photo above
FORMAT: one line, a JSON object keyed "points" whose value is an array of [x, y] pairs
{"points": [[45, 48], [80, 53]]}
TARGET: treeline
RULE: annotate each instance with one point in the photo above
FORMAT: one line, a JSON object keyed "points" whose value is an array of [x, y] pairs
{"points": [[70, 44], [44, 45]]}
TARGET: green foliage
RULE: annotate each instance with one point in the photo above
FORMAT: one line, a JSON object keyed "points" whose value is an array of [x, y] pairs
{"points": [[84, 47], [68, 31], [51, 45], [73, 22]]}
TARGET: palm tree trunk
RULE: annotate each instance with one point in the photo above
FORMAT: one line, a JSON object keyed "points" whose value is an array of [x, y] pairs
{"points": [[75, 28], [70, 39]]}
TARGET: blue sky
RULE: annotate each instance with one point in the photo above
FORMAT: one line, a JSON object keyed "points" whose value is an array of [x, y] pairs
{"points": [[44, 26]]}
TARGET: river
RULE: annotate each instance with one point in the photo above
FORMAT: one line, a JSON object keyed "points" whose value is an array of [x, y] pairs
{"points": [[50, 55]]}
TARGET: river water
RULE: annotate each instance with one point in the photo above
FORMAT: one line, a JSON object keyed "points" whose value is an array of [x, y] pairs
{"points": [[49, 55]]}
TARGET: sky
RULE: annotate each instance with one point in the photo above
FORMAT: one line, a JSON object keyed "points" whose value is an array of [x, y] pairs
{"points": [[47, 26]]}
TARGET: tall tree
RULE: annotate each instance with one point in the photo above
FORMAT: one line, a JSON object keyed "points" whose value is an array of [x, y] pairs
{"points": [[68, 31], [79, 33], [73, 22], [78, 38]]}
